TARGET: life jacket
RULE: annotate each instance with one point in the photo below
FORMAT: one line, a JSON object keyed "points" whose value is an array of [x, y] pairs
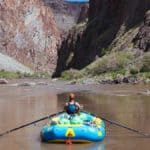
{"points": [[72, 108]]}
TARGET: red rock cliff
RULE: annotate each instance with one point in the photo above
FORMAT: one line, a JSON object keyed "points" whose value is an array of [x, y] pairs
{"points": [[66, 14], [28, 33]]}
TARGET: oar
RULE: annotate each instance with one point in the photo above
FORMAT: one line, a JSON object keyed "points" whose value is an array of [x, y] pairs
{"points": [[126, 127], [121, 125], [30, 123]]}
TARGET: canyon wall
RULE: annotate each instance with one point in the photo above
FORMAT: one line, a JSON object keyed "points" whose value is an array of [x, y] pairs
{"points": [[113, 25], [31, 31], [66, 14], [28, 33]]}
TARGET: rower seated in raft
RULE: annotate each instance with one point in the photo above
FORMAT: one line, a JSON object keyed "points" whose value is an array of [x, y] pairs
{"points": [[72, 107]]}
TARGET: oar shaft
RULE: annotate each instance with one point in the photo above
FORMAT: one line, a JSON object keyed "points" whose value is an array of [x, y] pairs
{"points": [[123, 126], [22, 126], [30, 123]]}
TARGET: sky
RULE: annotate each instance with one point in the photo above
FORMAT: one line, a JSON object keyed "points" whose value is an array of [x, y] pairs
{"points": [[79, 1]]}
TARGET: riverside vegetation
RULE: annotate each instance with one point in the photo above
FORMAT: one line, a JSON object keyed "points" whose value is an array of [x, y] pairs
{"points": [[11, 75], [114, 66]]}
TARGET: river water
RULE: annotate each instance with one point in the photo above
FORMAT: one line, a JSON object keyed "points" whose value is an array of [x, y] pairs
{"points": [[126, 104]]}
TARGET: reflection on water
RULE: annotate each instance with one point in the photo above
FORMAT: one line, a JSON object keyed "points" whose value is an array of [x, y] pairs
{"points": [[93, 146], [97, 146], [125, 104]]}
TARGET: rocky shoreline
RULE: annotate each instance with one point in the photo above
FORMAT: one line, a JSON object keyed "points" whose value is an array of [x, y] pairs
{"points": [[84, 81], [123, 80]]}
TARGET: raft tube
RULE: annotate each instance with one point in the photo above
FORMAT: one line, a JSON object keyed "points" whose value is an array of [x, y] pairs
{"points": [[82, 127]]}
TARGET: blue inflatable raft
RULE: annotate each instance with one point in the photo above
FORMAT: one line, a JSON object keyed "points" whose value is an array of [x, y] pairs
{"points": [[82, 127]]}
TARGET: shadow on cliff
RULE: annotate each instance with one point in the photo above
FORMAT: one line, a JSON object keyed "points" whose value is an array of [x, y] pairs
{"points": [[107, 18]]}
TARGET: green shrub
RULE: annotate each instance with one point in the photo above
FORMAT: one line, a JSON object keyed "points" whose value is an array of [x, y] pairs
{"points": [[113, 62], [37, 74], [8, 74], [104, 51], [146, 63], [72, 74], [134, 71], [120, 72], [66, 75], [145, 75]]}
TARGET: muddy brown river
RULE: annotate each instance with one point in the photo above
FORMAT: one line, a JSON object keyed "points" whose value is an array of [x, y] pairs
{"points": [[126, 104]]}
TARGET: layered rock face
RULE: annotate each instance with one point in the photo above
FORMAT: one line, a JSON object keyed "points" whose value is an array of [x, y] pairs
{"points": [[66, 14], [112, 26], [108, 20], [142, 39], [83, 13], [28, 33]]}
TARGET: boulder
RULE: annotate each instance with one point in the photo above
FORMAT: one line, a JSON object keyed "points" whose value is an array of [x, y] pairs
{"points": [[27, 84], [3, 81]]}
